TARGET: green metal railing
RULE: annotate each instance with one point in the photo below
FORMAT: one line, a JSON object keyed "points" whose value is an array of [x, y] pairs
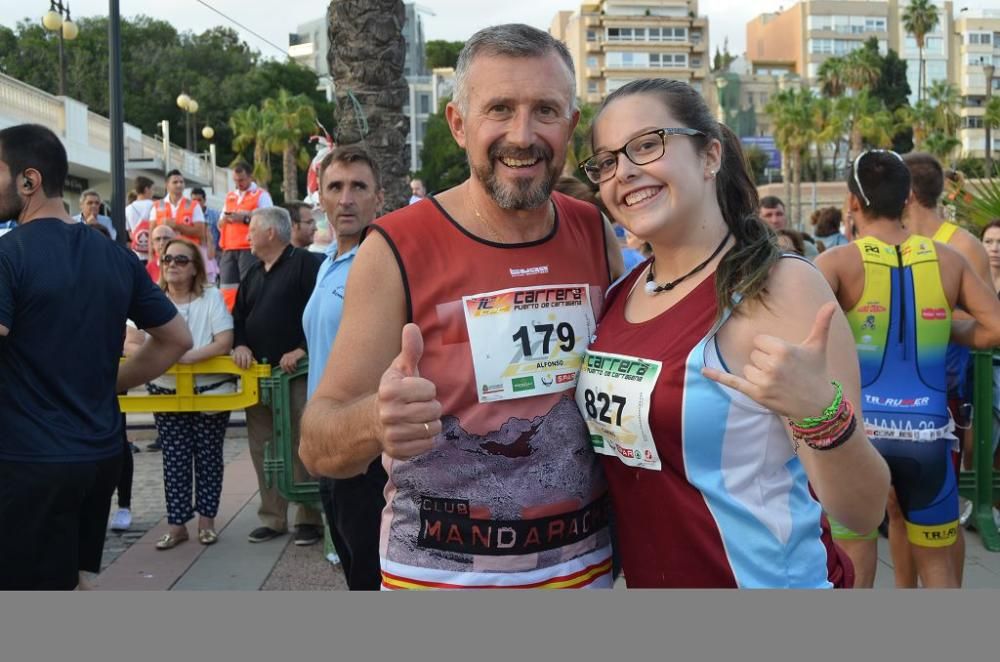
{"points": [[275, 392], [982, 484]]}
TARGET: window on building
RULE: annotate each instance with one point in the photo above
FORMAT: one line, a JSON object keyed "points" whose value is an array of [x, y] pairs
{"points": [[979, 38], [763, 98], [695, 62], [750, 99], [591, 60], [875, 24], [934, 46], [819, 22], [592, 87], [591, 35], [696, 36], [425, 104], [972, 122]]}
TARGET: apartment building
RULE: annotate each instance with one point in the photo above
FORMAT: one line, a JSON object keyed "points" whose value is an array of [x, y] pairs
{"points": [[617, 41], [799, 39], [976, 44]]}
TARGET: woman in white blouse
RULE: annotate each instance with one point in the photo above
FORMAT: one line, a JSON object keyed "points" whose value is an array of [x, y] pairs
{"points": [[193, 440]]}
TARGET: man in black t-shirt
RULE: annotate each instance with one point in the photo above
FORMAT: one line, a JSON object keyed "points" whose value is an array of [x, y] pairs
{"points": [[65, 294]]}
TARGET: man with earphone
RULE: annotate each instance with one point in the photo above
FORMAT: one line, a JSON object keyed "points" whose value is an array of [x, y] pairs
{"points": [[65, 294]]}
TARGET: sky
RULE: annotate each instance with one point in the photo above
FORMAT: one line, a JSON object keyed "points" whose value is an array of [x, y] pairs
{"points": [[443, 19]]}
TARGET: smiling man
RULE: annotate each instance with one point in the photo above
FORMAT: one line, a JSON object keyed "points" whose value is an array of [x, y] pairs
{"points": [[466, 316]]}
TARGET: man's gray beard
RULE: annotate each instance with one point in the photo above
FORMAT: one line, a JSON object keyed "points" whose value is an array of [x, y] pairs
{"points": [[525, 195]]}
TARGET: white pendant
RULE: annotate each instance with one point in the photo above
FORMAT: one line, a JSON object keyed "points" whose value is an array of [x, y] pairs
{"points": [[651, 287]]}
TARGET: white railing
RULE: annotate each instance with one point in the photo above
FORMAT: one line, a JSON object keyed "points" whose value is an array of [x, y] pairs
{"points": [[32, 105], [23, 103]]}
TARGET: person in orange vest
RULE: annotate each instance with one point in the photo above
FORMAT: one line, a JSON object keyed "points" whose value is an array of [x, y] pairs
{"points": [[137, 218], [234, 225], [180, 213]]}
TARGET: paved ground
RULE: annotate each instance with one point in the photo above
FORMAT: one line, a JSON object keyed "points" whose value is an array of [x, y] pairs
{"points": [[131, 561]]}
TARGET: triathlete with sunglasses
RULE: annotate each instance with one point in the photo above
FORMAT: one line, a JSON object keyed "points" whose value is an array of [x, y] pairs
{"points": [[899, 290]]}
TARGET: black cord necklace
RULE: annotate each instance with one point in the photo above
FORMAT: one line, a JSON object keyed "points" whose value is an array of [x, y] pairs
{"points": [[652, 288]]}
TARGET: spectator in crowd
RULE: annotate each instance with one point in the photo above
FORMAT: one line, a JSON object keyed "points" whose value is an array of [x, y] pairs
{"points": [[137, 217], [90, 212], [159, 237], [417, 190], [212, 244], [772, 212], [193, 439], [65, 294], [790, 241], [991, 242], [234, 225], [303, 223], [268, 327], [826, 223], [351, 195]]}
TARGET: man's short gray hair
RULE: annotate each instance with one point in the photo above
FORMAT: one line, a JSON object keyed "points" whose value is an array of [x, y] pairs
{"points": [[89, 192], [277, 218], [510, 40]]}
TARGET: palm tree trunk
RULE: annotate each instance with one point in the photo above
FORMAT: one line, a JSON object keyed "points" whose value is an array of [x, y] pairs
{"points": [[819, 163], [366, 57], [786, 176], [836, 156], [290, 184], [921, 73], [797, 180], [260, 163]]}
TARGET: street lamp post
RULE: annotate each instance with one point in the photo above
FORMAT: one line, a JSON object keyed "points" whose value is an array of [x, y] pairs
{"points": [[57, 19], [988, 72], [190, 107]]}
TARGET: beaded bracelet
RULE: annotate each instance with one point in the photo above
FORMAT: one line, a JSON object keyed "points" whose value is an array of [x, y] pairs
{"points": [[840, 440], [832, 436], [828, 414], [824, 429]]}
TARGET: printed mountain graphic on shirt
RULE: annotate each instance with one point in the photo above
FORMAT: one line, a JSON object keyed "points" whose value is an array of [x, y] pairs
{"points": [[528, 471]]}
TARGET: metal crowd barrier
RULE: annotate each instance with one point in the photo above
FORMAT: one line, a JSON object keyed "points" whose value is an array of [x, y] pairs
{"points": [[982, 484], [261, 383]]}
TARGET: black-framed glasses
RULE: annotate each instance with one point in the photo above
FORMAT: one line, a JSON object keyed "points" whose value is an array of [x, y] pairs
{"points": [[857, 162], [179, 260], [640, 150]]}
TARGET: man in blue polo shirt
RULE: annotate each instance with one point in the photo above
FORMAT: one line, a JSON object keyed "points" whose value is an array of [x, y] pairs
{"points": [[65, 295], [351, 195]]}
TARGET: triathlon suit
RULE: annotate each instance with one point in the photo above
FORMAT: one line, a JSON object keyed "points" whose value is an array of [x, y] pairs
{"points": [[901, 325], [707, 489], [957, 362], [511, 496]]}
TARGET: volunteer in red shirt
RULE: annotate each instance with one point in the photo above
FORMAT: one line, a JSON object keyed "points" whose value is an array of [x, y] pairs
{"points": [[234, 225]]}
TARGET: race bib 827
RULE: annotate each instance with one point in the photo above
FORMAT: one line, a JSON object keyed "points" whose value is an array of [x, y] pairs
{"points": [[613, 395]]}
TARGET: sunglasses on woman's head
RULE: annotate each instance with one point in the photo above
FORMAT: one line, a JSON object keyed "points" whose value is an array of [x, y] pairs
{"points": [[180, 260]]}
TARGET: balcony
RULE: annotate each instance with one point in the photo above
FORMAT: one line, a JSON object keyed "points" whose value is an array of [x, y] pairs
{"points": [[87, 137]]}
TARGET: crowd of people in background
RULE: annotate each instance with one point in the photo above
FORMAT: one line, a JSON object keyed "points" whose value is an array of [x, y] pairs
{"points": [[704, 402]]}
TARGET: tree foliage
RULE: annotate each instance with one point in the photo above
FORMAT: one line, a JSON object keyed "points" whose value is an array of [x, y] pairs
{"points": [[441, 53], [444, 163]]}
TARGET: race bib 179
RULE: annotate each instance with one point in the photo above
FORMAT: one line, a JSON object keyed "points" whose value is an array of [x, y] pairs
{"points": [[528, 341]]}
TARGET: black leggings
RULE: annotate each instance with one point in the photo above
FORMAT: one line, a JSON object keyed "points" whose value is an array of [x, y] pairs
{"points": [[128, 470]]}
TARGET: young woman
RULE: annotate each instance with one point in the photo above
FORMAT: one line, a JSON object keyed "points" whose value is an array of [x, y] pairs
{"points": [[193, 438], [702, 357]]}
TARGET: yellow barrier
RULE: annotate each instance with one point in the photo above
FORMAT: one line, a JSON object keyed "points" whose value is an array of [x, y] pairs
{"points": [[185, 400]]}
